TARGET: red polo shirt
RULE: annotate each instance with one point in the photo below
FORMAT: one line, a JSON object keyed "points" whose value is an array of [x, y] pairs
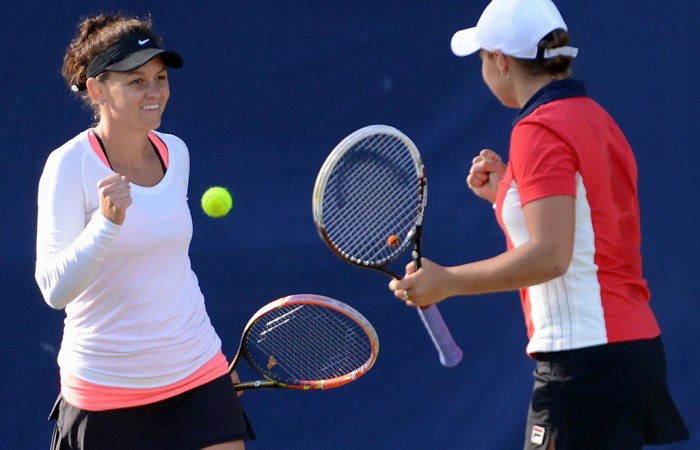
{"points": [[564, 143]]}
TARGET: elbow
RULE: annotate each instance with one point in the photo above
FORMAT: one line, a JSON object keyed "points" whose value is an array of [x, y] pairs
{"points": [[557, 270], [558, 265], [52, 300], [51, 296], [554, 263], [54, 303]]}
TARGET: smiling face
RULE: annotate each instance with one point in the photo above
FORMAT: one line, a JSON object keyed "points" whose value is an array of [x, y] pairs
{"points": [[136, 99]]}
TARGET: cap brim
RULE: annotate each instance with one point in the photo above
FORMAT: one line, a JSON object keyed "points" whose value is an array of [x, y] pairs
{"points": [[464, 42], [138, 59]]}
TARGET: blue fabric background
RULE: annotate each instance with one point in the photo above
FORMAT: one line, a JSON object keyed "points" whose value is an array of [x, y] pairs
{"points": [[267, 90]]}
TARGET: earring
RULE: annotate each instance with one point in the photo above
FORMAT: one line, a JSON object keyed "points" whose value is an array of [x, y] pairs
{"points": [[505, 76]]}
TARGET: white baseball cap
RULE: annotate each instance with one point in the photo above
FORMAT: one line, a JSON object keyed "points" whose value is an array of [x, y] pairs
{"points": [[515, 28]]}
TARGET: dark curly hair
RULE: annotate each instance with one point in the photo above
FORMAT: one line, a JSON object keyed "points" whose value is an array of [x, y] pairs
{"points": [[95, 34]]}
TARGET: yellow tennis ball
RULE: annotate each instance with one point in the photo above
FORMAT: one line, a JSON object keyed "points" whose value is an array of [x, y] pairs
{"points": [[217, 201]]}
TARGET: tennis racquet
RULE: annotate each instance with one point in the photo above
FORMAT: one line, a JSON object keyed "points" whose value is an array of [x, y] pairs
{"points": [[307, 342], [368, 206]]}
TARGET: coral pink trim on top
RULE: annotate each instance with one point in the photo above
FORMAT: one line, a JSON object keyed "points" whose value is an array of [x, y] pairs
{"points": [[155, 140], [97, 148], [93, 397], [160, 146]]}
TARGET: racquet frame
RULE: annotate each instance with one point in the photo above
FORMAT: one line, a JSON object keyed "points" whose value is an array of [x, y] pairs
{"points": [[300, 300], [449, 352]]}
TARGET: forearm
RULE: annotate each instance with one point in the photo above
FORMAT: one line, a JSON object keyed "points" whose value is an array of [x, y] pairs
{"points": [[527, 265], [62, 276], [546, 255]]}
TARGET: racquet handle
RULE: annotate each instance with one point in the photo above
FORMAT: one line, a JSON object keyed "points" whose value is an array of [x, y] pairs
{"points": [[449, 351]]}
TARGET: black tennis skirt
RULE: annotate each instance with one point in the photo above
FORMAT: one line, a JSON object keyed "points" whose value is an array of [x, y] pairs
{"points": [[612, 396], [207, 415]]}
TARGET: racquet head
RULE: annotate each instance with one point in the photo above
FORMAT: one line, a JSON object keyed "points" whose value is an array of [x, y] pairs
{"points": [[307, 342], [370, 196]]}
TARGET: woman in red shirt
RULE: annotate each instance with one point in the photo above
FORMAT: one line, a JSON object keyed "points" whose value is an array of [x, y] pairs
{"points": [[567, 203]]}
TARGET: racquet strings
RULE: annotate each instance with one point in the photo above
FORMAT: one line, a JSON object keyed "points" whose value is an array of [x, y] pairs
{"points": [[373, 192], [306, 342]]}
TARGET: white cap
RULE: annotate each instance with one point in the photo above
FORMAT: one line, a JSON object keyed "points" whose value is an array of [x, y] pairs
{"points": [[513, 27]]}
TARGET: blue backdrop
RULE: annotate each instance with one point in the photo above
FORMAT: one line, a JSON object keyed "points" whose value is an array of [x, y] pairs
{"points": [[267, 90]]}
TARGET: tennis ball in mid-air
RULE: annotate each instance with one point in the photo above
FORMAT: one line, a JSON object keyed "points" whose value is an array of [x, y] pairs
{"points": [[217, 201]]}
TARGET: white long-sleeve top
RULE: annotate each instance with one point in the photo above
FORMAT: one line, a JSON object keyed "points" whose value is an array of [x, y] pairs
{"points": [[135, 315]]}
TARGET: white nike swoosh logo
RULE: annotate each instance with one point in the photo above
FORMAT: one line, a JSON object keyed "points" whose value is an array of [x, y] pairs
{"points": [[143, 42]]}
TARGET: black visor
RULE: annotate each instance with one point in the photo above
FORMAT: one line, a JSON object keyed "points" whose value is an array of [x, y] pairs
{"points": [[131, 53]]}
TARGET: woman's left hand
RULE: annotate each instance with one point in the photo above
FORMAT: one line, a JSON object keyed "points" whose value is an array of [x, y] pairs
{"points": [[485, 173]]}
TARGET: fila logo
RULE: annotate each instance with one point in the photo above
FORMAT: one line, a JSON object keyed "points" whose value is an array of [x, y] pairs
{"points": [[144, 42], [537, 436]]}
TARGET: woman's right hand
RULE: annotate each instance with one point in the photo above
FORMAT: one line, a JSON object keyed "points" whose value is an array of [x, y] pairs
{"points": [[115, 197], [485, 173]]}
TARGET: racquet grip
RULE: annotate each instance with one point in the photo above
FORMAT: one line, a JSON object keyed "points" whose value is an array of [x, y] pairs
{"points": [[449, 351]]}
